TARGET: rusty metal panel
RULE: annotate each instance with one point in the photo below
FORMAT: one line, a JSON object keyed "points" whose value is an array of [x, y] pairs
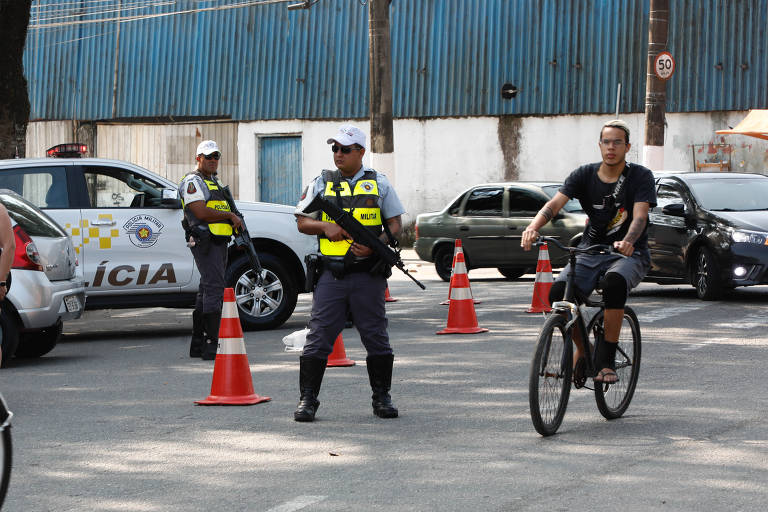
{"points": [[43, 135], [169, 150]]}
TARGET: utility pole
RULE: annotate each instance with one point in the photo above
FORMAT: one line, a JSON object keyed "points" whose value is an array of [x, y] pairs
{"points": [[655, 87], [380, 78]]}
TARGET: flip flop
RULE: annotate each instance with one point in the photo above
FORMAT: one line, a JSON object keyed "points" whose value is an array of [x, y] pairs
{"points": [[602, 374]]}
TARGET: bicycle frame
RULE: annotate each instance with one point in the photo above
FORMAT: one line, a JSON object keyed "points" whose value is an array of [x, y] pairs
{"points": [[572, 304]]}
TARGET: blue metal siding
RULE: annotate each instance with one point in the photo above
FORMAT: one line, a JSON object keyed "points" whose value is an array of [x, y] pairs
{"points": [[710, 42], [449, 58]]}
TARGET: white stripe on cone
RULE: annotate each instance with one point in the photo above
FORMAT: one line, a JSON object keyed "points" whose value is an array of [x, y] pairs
{"points": [[231, 346], [460, 294]]}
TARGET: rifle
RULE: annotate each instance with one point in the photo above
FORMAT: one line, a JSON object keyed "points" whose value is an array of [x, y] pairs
{"points": [[360, 234], [242, 237]]}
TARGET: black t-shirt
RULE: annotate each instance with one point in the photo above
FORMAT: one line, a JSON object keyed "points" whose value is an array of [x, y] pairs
{"points": [[609, 223]]}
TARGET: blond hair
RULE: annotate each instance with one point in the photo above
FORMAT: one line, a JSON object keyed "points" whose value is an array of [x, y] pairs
{"points": [[616, 123]]}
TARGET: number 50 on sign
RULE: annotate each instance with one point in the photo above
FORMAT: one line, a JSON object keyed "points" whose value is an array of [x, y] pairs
{"points": [[664, 66]]}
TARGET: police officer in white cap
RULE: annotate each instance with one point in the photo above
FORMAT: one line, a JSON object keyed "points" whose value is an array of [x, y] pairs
{"points": [[350, 281], [208, 224]]}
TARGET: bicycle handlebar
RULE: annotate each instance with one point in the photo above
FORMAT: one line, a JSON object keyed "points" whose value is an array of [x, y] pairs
{"points": [[592, 249]]}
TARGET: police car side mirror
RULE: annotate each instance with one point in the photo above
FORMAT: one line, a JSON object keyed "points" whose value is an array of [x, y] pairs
{"points": [[170, 198]]}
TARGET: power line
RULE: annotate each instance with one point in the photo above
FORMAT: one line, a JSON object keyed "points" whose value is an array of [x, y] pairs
{"points": [[139, 17]]}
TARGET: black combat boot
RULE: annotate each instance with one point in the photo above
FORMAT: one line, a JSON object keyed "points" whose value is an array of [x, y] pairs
{"points": [[211, 323], [380, 375], [198, 335], [311, 370]]}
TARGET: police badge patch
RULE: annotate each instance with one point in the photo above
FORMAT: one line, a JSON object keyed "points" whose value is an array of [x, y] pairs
{"points": [[191, 188]]}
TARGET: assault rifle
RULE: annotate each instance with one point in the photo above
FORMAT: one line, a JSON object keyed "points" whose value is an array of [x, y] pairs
{"points": [[360, 234], [242, 237]]}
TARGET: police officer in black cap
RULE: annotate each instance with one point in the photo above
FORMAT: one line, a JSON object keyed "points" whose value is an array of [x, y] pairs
{"points": [[208, 224], [350, 281]]}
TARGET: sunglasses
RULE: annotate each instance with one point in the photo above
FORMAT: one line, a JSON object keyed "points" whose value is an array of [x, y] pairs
{"points": [[213, 156], [344, 150]]}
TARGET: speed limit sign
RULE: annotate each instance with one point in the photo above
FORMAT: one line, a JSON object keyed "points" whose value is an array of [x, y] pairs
{"points": [[664, 65]]}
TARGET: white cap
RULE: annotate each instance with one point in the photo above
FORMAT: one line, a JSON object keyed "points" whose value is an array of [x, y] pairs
{"points": [[207, 147], [348, 135]]}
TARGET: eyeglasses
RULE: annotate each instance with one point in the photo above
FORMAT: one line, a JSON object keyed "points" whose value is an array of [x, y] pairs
{"points": [[213, 156], [612, 142], [345, 150]]}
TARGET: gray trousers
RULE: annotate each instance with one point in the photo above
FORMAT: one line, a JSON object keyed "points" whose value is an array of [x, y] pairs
{"points": [[211, 261], [360, 293]]}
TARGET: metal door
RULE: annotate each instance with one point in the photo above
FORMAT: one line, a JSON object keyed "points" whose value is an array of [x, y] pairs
{"points": [[280, 169]]}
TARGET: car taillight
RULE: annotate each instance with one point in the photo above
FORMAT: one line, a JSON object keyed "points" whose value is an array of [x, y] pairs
{"points": [[26, 255], [416, 230]]}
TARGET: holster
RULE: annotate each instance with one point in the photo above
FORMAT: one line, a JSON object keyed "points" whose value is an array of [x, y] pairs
{"points": [[314, 268], [335, 267]]}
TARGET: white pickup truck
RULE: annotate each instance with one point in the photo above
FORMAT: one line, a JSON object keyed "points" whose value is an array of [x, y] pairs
{"points": [[125, 223]]}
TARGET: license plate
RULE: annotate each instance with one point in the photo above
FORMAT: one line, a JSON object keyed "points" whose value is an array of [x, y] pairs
{"points": [[72, 303]]}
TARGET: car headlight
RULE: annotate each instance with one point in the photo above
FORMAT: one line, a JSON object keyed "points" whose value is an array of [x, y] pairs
{"points": [[750, 237]]}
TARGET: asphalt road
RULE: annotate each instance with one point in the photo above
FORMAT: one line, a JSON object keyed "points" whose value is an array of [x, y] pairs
{"points": [[106, 421]]}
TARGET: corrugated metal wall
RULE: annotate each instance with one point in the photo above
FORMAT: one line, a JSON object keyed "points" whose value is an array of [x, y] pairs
{"points": [[450, 58]]}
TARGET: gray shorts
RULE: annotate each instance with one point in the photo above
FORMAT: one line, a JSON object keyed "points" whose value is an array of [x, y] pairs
{"points": [[590, 268]]}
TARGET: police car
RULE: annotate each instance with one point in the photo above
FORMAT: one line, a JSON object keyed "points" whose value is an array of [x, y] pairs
{"points": [[125, 223]]}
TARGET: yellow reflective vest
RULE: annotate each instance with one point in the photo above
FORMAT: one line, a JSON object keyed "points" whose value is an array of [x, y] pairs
{"points": [[217, 202], [362, 203]]}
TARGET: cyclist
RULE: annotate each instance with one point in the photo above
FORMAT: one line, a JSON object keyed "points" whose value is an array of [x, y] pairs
{"points": [[616, 196]]}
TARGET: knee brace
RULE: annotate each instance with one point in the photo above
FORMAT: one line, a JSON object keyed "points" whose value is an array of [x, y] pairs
{"points": [[557, 292], [614, 290]]}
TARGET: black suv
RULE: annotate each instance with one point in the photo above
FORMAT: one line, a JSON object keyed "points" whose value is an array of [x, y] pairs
{"points": [[710, 230]]}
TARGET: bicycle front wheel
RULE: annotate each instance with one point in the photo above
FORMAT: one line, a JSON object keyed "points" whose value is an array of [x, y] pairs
{"points": [[6, 449], [549, 384], [614, 401]]}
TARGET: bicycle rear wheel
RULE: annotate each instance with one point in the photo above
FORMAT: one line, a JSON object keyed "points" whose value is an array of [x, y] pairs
{"points": [[614, 401], [549, 384]]}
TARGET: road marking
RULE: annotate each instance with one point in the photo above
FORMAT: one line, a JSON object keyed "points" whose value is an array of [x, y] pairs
{"points": [[662, 313], [297, 503], [748, 322], [696, 346]]}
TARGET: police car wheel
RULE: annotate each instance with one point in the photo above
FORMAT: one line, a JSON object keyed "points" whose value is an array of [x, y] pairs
{"points": [[264, 307]]}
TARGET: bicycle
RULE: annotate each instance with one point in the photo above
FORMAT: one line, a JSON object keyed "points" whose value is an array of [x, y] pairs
{"points": [[5, 449], [552, 371]]}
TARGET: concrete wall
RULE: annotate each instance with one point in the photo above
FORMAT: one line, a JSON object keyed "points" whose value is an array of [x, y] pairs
{"points": [[435, 159]]}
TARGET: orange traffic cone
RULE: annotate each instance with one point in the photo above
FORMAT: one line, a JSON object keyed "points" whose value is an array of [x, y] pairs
{"points": [[461, 312], [232, 382], [456, 250], [388, 297], [339, 356], [542, 284]]}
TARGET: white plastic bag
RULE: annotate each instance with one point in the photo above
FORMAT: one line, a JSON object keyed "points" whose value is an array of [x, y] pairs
{"points": [[294, 342]]}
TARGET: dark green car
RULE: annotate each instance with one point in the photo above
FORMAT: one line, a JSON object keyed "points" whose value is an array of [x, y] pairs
{"points": [[489, 219]]}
